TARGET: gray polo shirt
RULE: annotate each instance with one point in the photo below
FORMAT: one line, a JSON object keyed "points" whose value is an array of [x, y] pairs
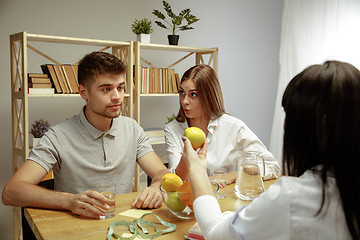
{"points": [[83, 157]]}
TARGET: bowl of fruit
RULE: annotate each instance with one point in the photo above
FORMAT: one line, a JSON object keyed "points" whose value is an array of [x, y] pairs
{"points": [[177, 195]]}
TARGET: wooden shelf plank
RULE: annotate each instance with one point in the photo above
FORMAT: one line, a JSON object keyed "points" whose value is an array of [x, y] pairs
{"points": [[61, 95], [73, 40], [163, 47], [159, 94]]}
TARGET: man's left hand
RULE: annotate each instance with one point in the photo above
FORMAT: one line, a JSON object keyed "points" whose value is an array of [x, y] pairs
{"points": [[149, 197]]}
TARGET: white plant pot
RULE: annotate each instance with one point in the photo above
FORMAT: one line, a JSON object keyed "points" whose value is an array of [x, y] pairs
{"points": [[143, 38]]}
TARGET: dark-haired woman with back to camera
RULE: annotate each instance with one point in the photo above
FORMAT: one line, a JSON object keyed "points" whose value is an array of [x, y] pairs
{"points": [[318, 197]]}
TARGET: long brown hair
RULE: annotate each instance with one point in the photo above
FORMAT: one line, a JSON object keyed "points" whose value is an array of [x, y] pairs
{"points": [[208, 89]]}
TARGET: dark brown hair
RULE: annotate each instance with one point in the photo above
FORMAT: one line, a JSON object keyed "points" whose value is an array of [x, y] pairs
{"points": [[98, 63], [322, 129], [208, 89]]}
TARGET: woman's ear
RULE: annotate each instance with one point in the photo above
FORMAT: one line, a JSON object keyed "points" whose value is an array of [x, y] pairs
{"points": [[83, 92]]}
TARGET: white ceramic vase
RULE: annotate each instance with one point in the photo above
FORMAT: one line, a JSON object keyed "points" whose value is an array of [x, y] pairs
{"points": [[143, 38]]}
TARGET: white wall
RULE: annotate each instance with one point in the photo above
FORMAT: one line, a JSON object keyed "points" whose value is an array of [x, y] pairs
{"points": [[247, 33]]}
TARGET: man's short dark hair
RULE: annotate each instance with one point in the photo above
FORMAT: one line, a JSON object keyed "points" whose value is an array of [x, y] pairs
{"points": [[95, 64]]}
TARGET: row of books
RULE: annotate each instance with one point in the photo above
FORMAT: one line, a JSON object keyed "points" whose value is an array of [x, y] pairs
{"points": [[64, 77], [159, 80]]}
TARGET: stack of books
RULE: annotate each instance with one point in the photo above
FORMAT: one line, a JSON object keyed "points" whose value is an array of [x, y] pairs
{"points": [[39, 83]]}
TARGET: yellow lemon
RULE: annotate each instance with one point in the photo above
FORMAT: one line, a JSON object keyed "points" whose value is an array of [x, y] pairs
{"points": [[196, 136], [171, 182], [174, 202]]}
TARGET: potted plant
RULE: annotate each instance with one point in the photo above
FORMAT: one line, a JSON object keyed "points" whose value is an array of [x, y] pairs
{"points": [[38, 129], [175, 24], [142, 28]]}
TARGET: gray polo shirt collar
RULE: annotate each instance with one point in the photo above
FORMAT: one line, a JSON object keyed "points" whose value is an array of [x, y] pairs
{"points": [[95, 133]]}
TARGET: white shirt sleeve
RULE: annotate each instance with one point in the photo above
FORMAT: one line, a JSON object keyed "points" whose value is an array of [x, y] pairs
{"points": [[267, 217], [213, 224], [173, 147]]}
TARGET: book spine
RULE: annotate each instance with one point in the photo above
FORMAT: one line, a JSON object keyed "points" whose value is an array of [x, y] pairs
{"points": [[49, 69], [38, 80]]}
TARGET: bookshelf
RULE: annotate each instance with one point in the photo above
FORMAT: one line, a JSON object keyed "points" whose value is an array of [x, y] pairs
{"points": [[130, 52]]}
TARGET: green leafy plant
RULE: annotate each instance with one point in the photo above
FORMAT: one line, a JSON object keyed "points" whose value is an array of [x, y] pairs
{"points": [[176, 20], [169, 119], [39, 128], [141, 26]]}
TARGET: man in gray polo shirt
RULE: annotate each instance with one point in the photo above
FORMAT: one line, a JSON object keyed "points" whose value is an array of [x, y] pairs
{"points": [[95, 148]]}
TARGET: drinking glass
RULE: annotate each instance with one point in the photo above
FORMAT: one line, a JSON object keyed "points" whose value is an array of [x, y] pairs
{"points": [[218, 176], [249, 183], [109, 192]]}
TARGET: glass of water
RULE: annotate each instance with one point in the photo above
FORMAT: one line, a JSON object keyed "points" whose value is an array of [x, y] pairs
{"points": [[109, 193], [219, 177]]}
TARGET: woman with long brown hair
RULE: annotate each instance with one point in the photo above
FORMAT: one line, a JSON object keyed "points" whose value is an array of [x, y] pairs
{"points": [[202, 106]]}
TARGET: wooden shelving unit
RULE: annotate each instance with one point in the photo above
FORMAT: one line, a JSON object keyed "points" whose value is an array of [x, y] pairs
{"points": [[20, 43], [130, 52]]}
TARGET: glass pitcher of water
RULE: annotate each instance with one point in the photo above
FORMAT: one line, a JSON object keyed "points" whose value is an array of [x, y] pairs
{"points": [[251, 169]]}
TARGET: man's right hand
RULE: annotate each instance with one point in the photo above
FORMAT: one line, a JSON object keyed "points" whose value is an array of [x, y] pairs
{"points": [[22, 191], [89, 204]]}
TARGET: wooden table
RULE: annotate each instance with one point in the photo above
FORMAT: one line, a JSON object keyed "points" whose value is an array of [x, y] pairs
{"points": [[54, 224]]}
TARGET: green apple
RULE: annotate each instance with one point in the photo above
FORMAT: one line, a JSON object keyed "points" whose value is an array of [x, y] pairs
{"points": [[174, 202], [196, 136]]}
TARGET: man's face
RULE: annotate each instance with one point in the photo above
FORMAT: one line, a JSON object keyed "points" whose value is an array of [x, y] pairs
{"points": [[106, 95]]}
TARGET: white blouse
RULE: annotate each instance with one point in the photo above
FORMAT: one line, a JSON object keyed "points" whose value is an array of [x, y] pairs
{"points": [[285, 211], [227, 137]]}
